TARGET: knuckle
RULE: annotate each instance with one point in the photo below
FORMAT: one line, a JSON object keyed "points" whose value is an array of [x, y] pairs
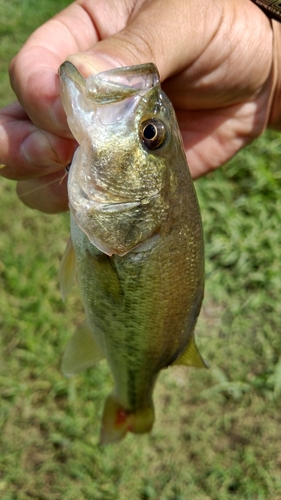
{"points": [[138, 44]]}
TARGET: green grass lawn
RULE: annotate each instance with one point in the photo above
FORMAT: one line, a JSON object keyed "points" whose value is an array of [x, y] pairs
{"points": [[217, 432]]}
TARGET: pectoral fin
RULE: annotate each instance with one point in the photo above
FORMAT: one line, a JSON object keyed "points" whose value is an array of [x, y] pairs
{"points": [[106, 277], [191, 356], [81, 352], [67, 270]]}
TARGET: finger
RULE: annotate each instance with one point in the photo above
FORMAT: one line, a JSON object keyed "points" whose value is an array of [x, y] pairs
{"points": [[47, 194], [27, 151], [34, 71], [182, 40], [129, 35], [212, 138], [199, 59], [171, 43]]}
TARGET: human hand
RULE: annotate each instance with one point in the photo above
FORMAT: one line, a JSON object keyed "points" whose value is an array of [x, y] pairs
{"points": [[215, 62]]}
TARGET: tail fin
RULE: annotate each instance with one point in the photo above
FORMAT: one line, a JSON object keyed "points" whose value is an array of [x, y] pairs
{"points": [[117, 421]]}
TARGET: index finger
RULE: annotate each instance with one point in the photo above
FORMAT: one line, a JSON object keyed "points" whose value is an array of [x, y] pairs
{"points": [[34, 70]]}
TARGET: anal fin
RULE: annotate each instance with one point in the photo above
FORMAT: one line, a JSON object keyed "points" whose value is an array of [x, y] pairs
{"points": [[81, 352], [191, 356]]}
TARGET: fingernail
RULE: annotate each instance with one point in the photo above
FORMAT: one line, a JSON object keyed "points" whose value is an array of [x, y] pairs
{"points": [[37, 150], [91, 63]]}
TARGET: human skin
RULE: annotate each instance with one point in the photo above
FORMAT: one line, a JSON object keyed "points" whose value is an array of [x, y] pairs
{"points": [[218, 62]]}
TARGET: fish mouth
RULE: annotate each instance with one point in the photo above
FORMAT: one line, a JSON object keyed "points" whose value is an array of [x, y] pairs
{"points": [[121, 206], [113, 207], [101, 199], [108, 206]]}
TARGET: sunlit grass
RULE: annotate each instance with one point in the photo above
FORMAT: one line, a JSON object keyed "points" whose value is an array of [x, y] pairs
{"points": [[217, 431]]}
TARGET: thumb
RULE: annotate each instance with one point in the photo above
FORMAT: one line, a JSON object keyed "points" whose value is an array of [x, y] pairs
{"points": [[162, 32], [198, 44]]}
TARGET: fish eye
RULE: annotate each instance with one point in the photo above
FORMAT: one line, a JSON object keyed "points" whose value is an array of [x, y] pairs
{"points": [[153, 133]]}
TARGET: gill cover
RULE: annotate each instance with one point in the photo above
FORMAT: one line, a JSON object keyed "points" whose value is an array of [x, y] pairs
{"points": [[121, 120]]}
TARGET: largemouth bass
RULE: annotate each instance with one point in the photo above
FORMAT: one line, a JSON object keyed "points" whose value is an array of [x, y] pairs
{"points": [[136, 238]]}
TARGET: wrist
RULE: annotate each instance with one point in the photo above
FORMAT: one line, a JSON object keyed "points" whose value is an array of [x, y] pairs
{"points": [[275, 112], [271, 8]]}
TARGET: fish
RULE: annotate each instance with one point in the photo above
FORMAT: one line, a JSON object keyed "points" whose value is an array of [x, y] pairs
{"points": [[136, 244]]}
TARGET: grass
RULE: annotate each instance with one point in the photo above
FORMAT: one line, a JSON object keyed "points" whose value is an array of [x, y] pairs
{"points": [[217, 432]]}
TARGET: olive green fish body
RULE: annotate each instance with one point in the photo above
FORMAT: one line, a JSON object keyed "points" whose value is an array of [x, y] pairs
{"points": [[137, 237]]}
